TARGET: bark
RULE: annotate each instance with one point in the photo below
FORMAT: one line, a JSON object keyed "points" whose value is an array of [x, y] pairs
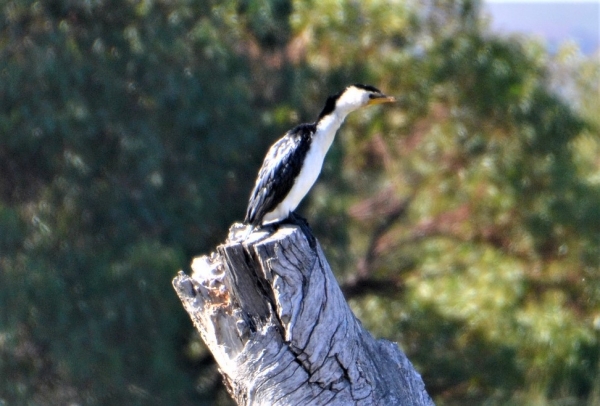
{"points": [[273, 316]]}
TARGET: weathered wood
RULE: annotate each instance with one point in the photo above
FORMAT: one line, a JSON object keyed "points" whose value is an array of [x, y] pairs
{"points": [[275, 319]]}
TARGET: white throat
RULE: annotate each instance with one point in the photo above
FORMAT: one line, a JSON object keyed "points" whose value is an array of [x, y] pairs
{"points": [[326, 130]]}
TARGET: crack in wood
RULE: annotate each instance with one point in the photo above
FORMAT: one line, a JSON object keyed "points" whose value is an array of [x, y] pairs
{"points": [[285, 335]]}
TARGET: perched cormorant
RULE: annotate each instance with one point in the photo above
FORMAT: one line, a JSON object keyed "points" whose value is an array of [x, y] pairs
{"points": [[294, 162]]}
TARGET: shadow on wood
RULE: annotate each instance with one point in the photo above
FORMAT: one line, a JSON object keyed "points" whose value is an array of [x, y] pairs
{"points": [[273, 316]]}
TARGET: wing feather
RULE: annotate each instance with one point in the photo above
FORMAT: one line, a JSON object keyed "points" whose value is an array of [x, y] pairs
{"points": [[279, 170]]}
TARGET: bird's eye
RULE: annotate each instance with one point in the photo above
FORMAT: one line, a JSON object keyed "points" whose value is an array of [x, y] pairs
{"points": [[373, 96]]}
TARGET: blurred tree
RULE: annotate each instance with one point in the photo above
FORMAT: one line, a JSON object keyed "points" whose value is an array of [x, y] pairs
{"points": [[464, 224], [479, 204], [125, 126]]}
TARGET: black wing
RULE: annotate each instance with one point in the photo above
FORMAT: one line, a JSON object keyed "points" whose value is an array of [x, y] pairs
{"points": [[276, 177]]}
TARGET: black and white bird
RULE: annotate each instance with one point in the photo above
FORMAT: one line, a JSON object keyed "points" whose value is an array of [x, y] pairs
{"points": [[294, 162]]}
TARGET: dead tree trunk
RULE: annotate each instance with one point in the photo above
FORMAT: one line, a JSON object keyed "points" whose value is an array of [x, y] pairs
{"points": [[272, 314]]}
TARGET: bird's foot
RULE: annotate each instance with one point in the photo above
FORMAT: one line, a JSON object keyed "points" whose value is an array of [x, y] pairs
{"points": [[301, 222], [271, 228]]}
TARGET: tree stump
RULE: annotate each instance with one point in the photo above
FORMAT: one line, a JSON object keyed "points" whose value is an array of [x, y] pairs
{"points": [[274, 317]]}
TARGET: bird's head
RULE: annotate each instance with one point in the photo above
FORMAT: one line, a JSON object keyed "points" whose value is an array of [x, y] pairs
{"points": [[354, 97]]}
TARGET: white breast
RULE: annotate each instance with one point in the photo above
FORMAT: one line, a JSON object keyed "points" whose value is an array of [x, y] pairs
{"points": [[310, 169]]}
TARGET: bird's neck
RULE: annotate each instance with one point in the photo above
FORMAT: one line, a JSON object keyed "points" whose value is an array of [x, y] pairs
{"points": [[327, 126]]}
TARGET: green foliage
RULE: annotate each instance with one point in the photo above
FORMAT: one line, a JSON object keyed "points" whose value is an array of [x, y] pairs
{"points": [[463, 223], [117, 146]]}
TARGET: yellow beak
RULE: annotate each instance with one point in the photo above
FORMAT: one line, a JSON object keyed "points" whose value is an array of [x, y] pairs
{"points": [[382, 99]]}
